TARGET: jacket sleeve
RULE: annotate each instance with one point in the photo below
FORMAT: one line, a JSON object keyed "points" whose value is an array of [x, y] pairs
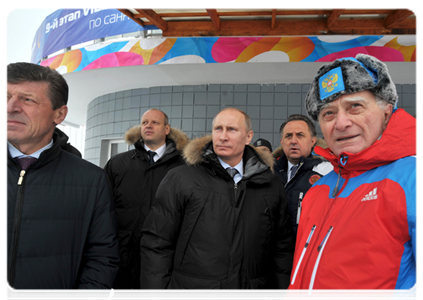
{"points": [[101, 255], [108, 168], [411, 208], [285, 244], [160, 233]]}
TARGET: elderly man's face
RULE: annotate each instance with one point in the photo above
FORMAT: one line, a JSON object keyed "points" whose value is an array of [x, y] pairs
{"points": [[230, 136], [30, 117], [353, 122]]}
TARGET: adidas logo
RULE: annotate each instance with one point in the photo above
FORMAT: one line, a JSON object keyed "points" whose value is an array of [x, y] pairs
{"points": [[370, 196]]}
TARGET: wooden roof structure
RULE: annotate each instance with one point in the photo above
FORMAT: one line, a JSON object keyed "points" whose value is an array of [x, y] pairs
{"points": [[275, 22]]}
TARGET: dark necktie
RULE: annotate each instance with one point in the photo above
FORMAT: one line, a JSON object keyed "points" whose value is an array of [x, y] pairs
{"points": [[151, 153], [25, 162], [232, 171], [293, 171]]}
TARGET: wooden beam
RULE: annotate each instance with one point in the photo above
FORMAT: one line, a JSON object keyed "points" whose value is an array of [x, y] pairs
{"points": [[282, 28], [397, 17], [243, 28], [131, 16], [333, 17], [272, 26], [214, 18], [296, 12], [153, 18], [299, 13]]}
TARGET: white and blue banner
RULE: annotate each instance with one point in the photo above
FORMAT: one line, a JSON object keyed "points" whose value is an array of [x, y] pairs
{"points": [[67, 27]]}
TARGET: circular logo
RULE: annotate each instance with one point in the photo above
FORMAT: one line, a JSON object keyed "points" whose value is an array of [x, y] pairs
{"points": [[313, 179]]}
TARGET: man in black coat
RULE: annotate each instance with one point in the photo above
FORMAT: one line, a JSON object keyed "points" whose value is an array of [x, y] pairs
{"points": [[295, 166], [220, 222], [61, 228], [135, 176]]}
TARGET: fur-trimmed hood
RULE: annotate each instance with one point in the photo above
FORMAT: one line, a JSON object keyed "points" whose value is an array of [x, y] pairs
{"points": [[319, 142], [133, 135], [194, 152]]}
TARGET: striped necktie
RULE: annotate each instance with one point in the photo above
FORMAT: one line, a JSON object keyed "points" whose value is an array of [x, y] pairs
{"points": [[293, 171], [232, 171]]}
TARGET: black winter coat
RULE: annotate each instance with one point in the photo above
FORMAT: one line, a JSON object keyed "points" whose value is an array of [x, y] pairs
{"points": [[206, 232], [311, 169], [134, 184], [61, 229]]}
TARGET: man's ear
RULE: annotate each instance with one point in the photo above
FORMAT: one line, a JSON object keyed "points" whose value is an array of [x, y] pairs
{"points": [[61, 114], [313, 140], [250, 135], [387, 113], [167, 129]]}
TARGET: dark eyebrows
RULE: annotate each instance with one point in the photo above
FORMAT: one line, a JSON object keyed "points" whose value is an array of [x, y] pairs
{"points": [[291, 133]]}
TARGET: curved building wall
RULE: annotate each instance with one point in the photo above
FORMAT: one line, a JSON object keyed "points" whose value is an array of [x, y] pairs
{"points": [[192, 109]]}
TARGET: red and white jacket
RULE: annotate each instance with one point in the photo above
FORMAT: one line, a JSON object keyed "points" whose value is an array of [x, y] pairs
{"points": [[358, 223]]}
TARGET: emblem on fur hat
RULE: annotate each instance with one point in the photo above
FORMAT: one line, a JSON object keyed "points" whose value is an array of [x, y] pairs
{"points": [[346, 76], [331, 83]]}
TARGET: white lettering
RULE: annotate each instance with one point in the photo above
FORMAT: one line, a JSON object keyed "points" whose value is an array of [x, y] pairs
{"points": [[65, 19], [113, 18], [55, 24], [71, 17], [90, 11], [77, 14], [94, 23], [120, 16]]}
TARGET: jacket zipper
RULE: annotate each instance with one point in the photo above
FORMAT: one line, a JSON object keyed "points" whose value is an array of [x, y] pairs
{"points": [[300, 200], [320, 250], [21, 175], [342, 161], [16, 230], [303, 253]]}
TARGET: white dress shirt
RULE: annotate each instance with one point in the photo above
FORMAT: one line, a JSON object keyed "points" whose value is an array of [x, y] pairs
{"points": [[159, 151], [14, 152]]}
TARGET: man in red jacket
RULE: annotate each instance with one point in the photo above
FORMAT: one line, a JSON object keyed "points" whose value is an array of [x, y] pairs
{"points": [[358, 225]]}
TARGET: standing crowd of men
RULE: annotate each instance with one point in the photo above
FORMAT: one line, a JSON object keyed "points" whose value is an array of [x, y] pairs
{"points": [[217, 212]]}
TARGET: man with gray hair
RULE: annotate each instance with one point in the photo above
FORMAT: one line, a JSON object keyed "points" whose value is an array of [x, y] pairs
{"points": [[358, 225], [220, 222]]}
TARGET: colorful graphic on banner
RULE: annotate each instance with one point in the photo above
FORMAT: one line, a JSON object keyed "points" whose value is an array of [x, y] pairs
{"points": [[232, 50], [68, 27]]}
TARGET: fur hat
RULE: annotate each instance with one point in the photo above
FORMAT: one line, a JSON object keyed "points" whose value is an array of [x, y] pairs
{"points": [[350, 75]]}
